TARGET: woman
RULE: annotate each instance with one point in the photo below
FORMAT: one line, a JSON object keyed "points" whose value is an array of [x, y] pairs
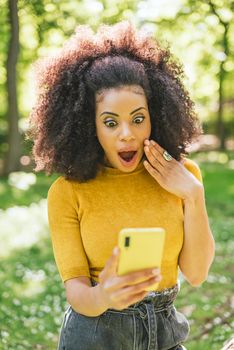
{"points": [[114, 119]]}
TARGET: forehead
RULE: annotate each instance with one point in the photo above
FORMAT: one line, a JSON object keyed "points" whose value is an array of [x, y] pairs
{"points": [[116, 98]]}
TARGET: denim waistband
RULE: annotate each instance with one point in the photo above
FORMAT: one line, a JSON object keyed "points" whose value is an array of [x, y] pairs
{"points": [[153, 303], [160, 299]]}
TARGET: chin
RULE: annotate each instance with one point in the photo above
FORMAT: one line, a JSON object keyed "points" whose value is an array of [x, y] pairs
{"points": [[129, 170]]}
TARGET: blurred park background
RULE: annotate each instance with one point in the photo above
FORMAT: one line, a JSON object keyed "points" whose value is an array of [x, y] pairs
{"points": [[201, 35]]}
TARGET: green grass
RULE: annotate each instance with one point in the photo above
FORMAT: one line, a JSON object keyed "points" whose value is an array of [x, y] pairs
{"points": [[32, 297], [209, 308]]}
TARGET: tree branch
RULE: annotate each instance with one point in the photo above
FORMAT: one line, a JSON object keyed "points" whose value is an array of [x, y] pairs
{"points": [[214, 10]]}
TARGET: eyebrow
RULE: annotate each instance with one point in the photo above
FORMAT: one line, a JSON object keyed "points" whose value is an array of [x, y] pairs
{"points": [[111, 113]]}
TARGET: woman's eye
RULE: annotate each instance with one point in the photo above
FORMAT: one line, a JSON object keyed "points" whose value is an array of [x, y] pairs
{"points": [[139, 120], [110, 123]]}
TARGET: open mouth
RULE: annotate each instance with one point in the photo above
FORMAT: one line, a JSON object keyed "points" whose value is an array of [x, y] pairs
{"points": [[127, 156]]}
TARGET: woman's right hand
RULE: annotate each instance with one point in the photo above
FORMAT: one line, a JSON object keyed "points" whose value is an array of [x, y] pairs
{"points": [[118, 292]]}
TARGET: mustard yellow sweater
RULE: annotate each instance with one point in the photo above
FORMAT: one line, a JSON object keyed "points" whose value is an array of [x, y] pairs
{"points": [[85, 219]]}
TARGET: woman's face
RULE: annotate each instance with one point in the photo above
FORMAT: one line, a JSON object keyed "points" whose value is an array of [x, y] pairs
{"points": [[122, 124]]}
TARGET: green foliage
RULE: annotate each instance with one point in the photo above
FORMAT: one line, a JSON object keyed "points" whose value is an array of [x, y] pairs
{"points": [[209, 307], [13, 195], [196, 36]]}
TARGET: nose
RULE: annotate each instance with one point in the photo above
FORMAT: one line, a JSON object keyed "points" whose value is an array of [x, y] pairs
{"points": [[126, 133]]}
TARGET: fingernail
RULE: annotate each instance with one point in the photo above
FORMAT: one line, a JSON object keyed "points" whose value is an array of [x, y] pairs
{"points": [[147, 142], [115, 250], [155, 271]]}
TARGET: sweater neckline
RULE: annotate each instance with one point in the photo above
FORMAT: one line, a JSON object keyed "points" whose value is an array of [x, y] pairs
{"points": [[114, 171]]}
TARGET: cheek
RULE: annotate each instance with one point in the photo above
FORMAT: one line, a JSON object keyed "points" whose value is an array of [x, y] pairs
{"points": [[103, 137], [147, 130]]}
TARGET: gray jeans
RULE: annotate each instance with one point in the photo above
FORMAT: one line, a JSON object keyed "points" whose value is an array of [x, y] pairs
{"points": [[151, 324]]}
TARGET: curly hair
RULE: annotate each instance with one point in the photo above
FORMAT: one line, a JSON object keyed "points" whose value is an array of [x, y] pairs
{"points": [[62, 122]]}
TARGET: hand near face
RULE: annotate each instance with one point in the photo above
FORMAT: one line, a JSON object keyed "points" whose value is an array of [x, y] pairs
{"points": [[171, 175]]}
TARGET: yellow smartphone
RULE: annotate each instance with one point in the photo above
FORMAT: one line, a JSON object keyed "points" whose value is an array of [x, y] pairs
{"points": [[140, 248]]}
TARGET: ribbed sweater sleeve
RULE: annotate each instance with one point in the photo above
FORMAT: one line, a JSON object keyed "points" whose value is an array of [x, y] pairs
{"points": [[65, 231], [192, 166]]}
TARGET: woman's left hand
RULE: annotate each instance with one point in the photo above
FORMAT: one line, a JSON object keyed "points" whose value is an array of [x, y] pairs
{"points": [[170, 174]]}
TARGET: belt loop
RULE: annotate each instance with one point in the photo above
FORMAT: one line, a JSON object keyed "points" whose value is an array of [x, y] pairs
{"points": [[152, 324], [134, 330]]}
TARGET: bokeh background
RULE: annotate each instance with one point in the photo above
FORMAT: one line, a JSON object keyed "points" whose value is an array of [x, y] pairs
{"points": [[201, 36]]}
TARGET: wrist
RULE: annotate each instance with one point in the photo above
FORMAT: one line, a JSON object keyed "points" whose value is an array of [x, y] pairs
{"points": [[196, 194], [99, 299]]}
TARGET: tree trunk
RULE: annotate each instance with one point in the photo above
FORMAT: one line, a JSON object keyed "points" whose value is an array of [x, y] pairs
{"points": [[220, 122], [225, 48], [14, 143]]}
